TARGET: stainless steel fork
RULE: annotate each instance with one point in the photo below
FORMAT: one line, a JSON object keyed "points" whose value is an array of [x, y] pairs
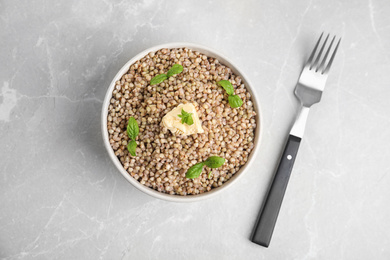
{"points": [[309, 89]]}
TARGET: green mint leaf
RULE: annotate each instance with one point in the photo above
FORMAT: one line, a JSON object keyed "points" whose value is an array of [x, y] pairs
{"points": [[158, 79], [214, 162], [227, 86], [132, 128], [186, 118], [176, 69], [235, 101], [131, 147], [195, 171]]}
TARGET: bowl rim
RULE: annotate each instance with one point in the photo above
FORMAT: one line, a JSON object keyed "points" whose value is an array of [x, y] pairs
{"points": [[210, 53]]}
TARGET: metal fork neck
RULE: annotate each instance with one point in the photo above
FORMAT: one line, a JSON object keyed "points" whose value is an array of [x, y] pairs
{"points": [[300, 122]]}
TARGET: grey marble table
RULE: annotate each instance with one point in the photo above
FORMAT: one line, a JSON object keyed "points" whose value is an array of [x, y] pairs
{"points": [[62, 198]]}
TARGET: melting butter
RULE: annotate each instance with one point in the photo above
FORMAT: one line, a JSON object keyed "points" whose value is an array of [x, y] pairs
{"points": [[173, 122]]}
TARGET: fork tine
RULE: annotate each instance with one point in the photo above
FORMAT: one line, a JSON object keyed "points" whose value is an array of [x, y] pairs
{"points": [[331, 59], [322, 66], [308, 63], [315, 64]]}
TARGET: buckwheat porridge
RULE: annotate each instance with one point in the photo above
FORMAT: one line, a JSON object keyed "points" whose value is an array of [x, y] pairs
{"points": [[163, 156]]}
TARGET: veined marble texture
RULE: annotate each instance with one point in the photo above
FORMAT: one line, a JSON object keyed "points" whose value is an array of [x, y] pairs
{"points": [[62, 198]]}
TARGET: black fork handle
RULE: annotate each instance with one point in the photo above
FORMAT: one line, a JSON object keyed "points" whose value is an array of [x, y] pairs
{"points": [[266, 221]]}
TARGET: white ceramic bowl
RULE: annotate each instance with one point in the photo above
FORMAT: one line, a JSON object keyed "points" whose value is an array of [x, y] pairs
{"points": [[177, 198]]}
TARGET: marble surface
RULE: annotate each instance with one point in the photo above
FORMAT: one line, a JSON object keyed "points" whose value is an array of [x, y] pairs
{"points": [[62, 198]]}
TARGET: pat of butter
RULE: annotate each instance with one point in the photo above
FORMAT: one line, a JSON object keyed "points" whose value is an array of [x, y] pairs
{"points": [[173, 122]]}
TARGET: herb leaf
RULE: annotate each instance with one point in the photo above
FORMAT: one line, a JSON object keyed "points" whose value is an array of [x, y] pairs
{"points": [[176, 69], [227, 86], [158, 79], [235, 101], [132, 128], [131, 147], [186, 117], [214, 162], [195, 171]]}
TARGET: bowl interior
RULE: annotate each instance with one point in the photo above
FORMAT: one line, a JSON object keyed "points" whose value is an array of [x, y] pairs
{"points": [[177, 198]]}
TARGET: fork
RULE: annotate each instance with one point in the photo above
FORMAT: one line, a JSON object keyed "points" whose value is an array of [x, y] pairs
{"points": [[308, 90]]}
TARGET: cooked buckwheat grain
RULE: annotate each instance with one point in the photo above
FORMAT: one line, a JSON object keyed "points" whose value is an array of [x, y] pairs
{"points": [[163, 158]]}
